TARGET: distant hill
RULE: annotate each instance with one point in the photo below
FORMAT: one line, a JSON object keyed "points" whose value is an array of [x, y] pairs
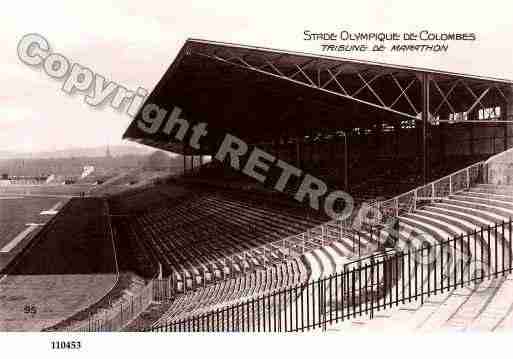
{"points": [[72, 166], [118, 150]]}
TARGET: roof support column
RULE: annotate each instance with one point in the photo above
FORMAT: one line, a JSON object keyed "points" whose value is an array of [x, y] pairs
{"points": [[346, 163], [472, 139], [441, 134], [506, 144], [184, 159], [425, 79], [298, 152], [397, 129], [508, 115]]}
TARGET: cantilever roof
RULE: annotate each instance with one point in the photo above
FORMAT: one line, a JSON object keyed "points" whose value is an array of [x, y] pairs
{"points": [[259, 93], [219, 44]]}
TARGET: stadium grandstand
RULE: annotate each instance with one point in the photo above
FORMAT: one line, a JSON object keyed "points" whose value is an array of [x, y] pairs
{"points": [[425, 153]]}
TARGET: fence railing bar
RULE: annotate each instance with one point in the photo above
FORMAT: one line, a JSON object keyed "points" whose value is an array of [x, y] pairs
{"points": [[362, 289]]}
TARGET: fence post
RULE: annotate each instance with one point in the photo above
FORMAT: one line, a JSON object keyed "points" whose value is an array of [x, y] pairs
{"points": [[323, 303], [496, 251], [510, 245], [372, 264], [503, 249], [396, 205], [422, 276], [489, 251]]}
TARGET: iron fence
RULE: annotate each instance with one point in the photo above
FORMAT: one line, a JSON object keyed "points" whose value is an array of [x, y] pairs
{"points": [[443, 187], [363, 241], [366, 286], [115, 319]]}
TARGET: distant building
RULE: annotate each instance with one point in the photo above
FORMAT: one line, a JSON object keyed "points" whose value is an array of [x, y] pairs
{"points": [[108, 154]]}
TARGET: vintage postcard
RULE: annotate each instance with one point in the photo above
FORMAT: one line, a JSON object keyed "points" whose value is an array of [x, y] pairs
{"points": [[327, 170]]}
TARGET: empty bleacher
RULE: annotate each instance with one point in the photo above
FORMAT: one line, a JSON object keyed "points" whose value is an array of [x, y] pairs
{"points": [[219, 246], [219, 238], [196, 233]]}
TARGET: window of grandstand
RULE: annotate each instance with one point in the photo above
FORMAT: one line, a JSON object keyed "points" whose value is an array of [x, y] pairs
{"points": [[387, 127], [408, 124], [489, 113], [458, 116], [434, 120], [361, 131], [317, 137]]}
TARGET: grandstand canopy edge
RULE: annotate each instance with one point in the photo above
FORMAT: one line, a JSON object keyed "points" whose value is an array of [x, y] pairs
{"points": [[266, 96]]}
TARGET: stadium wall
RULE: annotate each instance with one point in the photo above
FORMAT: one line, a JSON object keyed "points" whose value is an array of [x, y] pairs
{"points": [[500, 168]]}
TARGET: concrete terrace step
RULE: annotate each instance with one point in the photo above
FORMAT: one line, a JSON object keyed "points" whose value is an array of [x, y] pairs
{"points": [[498, 202], [473, 218], [485, 306], [477, 302], [504, 212], [422, 227], [499, 315], [502, 197], [494, 189], [462, 208]]}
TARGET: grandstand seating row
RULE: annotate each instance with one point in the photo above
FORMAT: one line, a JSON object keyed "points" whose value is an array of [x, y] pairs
{"points": [[205, 232], [212, 241], [460, 213]]}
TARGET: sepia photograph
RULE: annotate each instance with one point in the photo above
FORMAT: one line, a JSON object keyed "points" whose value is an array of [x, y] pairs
{"points": [[333, 171]]}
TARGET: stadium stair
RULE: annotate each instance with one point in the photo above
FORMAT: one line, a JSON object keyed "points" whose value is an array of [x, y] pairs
{"points": [[484, 306]]}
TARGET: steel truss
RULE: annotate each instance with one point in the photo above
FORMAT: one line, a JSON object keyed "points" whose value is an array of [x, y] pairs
{"points": [[479, 95], [325, 76], [332, 75]]}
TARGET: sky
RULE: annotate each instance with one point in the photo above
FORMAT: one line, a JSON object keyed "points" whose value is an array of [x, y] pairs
{"points": [[133, 42]]}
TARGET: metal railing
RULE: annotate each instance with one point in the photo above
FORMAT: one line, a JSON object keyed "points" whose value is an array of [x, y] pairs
{"points": [[366, 287], [438, 189], [336, 230], [115, 319], [500, 155], [277, 250]]}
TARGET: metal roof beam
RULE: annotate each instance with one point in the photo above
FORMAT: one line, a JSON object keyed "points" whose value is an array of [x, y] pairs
{"points": [[311, 84]]}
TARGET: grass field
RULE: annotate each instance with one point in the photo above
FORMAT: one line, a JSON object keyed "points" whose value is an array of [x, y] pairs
{"points": [[17, 211], [46, 189], [68, 266]]}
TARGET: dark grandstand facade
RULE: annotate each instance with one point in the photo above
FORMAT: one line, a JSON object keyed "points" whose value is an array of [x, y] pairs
{"points": [[328, 115]]}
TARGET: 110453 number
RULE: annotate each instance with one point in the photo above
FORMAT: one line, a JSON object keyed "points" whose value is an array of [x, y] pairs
{"points": [[66, 345]]}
